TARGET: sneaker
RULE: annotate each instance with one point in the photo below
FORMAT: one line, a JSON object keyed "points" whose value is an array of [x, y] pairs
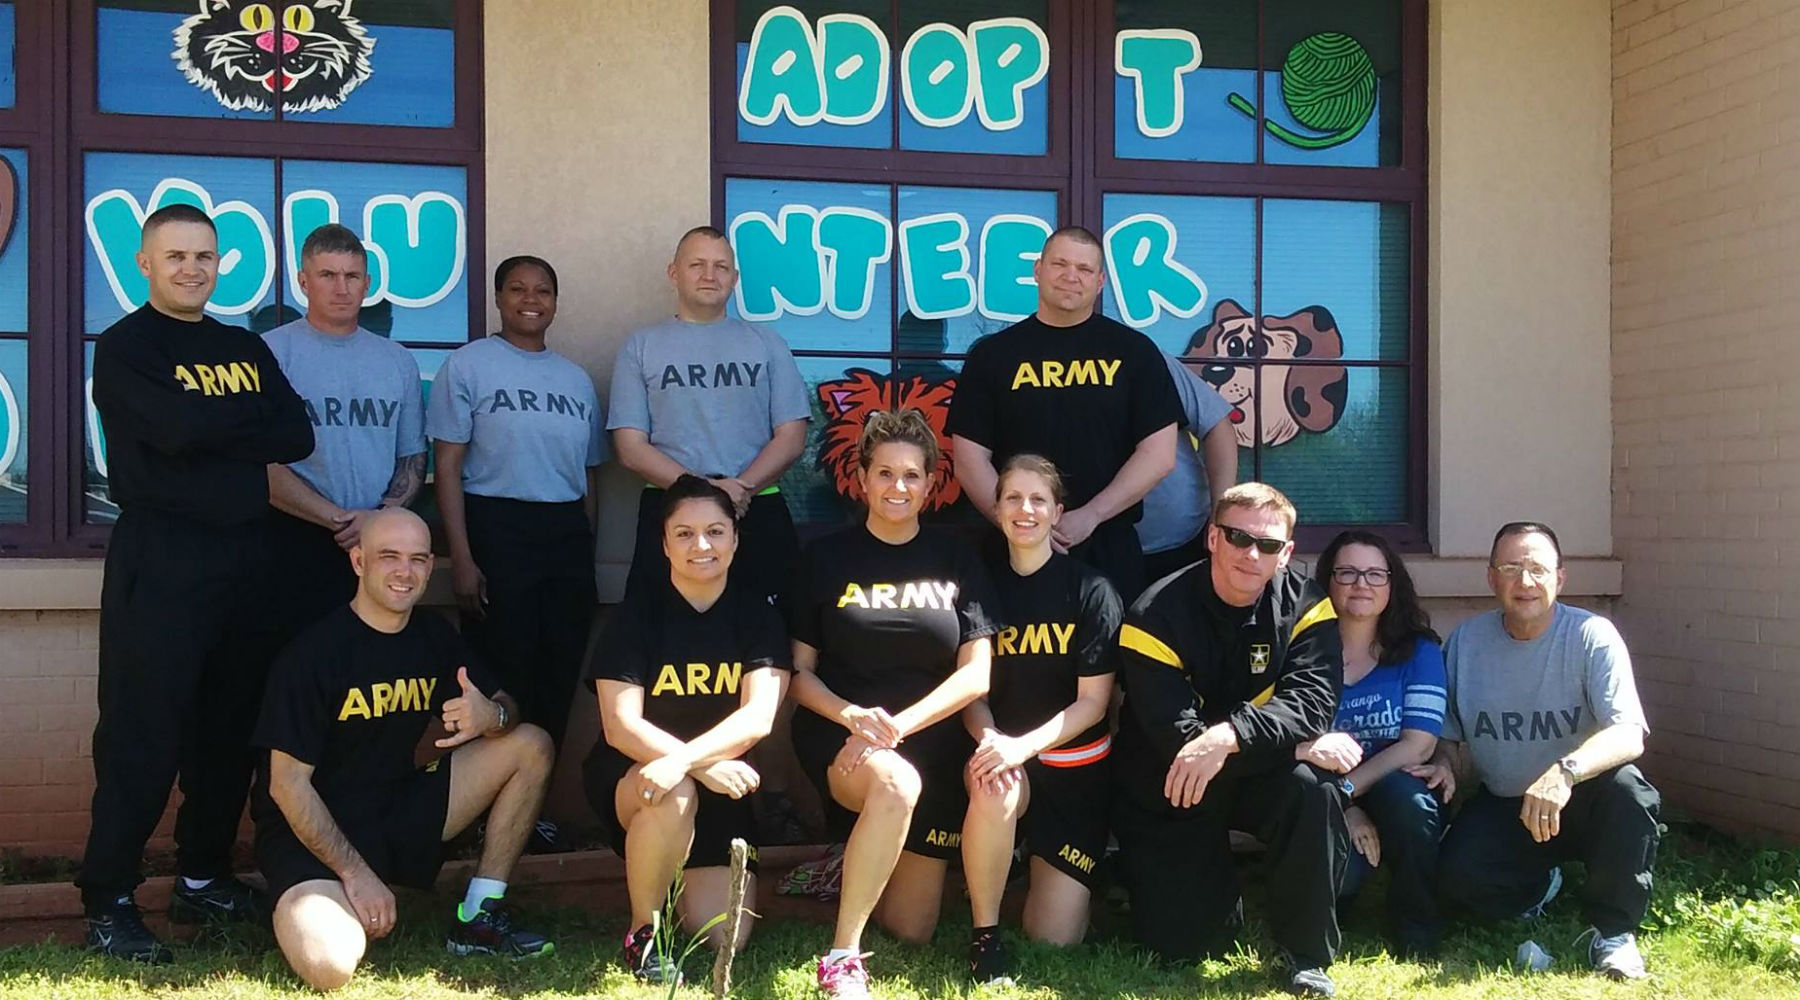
{"points": [[491, 932], [546, 838], [1537, 909], [118, 930], [989, 964], [844, 979], [646, 962], [223, 900], [1617, 956], [1305, 978]]}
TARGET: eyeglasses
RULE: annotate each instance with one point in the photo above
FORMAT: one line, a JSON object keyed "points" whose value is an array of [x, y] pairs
{"points": [[1533, 571], [1349, 576], [1239, 538]]}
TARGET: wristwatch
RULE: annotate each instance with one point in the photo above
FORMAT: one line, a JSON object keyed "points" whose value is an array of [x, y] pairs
{"points": [[1572, 767], [500, 707], [1347, 786]]}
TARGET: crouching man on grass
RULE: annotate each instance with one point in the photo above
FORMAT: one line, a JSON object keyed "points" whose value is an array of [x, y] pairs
{"points": [[345, 807]]}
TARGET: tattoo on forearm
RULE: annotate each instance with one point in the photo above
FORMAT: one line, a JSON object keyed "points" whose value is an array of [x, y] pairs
{"points": [[409, 475]]}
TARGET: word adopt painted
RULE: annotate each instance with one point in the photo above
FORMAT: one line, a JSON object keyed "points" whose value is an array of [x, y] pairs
{"points": [[837, 70], [417, 244], [809, 258]]}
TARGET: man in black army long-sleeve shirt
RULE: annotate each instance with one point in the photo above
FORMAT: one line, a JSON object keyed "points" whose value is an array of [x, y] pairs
{"points": [[1227, 666], [194, 412]]}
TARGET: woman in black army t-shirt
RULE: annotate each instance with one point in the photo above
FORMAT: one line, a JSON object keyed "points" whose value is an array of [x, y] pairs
{"points": [[689, 674], [1042, 755], [890, 626]]}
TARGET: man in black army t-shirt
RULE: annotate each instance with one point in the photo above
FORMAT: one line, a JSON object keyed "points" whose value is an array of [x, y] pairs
{"points": [[1228, 665], [194, 412], [1087, 392], [357, 793]]}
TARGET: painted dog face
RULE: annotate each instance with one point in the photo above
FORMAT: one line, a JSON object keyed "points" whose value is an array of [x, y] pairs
{"points": [[1311, 396], [229, 48]]}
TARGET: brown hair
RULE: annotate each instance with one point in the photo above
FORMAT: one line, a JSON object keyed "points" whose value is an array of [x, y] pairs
{"points": [[1027, 462], [1404, 621], [1257, 496], [907, 426]]}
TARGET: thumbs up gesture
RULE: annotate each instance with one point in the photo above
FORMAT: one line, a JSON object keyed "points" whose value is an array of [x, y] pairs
{"points": [[468, 715]]}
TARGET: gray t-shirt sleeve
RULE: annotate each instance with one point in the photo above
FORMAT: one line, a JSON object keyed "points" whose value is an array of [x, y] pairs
{"points": [[628, 402], [1453, 730], [1611, 687], [450, 417], [1206, 407], [409, 435], [787, 390]]}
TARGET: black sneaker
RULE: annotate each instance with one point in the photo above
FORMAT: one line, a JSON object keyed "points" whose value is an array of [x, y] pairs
{"points": [[223, 900], [988, 961], [118, 930], [646, 962], [1304, 977], [491, 932]]}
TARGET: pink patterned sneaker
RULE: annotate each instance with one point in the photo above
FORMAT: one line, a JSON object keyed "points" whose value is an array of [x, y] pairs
{"points": [[844, 979]]}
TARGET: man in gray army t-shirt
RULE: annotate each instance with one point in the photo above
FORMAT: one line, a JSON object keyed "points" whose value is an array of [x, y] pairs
{"points": [[711, 395], [363, 395], [1545, 715]]}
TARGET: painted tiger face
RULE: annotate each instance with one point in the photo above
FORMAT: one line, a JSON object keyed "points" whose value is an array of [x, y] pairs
{"points": [[848, 401], [310, 52]]}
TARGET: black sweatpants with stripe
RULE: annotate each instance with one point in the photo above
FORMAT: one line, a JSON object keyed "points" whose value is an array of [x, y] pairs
{"points": [[538, 559], [186, 637]]}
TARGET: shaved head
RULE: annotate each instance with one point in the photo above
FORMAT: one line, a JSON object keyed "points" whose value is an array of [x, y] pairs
{"points": [[393, 560]]}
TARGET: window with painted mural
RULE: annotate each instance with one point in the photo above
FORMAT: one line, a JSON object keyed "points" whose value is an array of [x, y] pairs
{"points": [[345, 61], [1254, 170], [15, 313], [8, 44], [413, 220]]}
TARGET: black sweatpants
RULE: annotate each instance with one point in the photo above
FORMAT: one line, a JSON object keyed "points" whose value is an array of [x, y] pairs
{"points": [[1176, 864], [767, 544], [1114, 550], [309, 573], [1491, 869], [186, 636], [539, 562], [1160, 564]]}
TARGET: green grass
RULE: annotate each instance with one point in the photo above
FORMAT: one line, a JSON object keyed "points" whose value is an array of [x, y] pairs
{"points": [[1725, 923]]}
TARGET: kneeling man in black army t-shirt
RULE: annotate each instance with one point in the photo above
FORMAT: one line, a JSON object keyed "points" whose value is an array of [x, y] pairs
{"points": [[386, 738]]}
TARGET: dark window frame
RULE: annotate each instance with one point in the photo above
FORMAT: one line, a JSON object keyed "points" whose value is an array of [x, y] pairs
{"points": [[62, 124], [1081, 167]]}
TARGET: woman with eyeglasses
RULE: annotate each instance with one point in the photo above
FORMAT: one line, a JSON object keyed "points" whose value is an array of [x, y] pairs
{"points": [[1388, 718]]}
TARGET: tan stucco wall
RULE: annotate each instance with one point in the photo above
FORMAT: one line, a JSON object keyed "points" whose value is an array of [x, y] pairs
{"points": [[1520, 163]]}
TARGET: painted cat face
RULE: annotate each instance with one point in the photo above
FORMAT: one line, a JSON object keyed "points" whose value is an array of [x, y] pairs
{"points": [[233, 49]]}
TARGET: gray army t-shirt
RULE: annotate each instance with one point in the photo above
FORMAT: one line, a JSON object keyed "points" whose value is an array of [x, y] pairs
{"points": [[367, 408], [1523, 705], [530, 418], [1176, 508], [709, 395]]}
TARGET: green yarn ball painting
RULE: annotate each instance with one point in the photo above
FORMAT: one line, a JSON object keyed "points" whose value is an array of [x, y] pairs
{"points": [[1328, 85]]}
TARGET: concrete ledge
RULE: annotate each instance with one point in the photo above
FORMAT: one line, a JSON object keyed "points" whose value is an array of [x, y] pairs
{"points": [[74, 584]]}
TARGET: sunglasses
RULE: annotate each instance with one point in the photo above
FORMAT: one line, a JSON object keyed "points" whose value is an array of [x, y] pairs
{"points": [[1239, 538]]}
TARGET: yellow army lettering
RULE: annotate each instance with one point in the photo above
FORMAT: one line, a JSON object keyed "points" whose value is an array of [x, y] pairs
{"points": [[943, 838], [405, 694], [701, 679], [1057, 375], [934, 594], [220, 380], [1074, 856], [1044, 637]]}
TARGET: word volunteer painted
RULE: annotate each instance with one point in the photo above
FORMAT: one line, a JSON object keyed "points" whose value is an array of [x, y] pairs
{"points": [[417, 243]]}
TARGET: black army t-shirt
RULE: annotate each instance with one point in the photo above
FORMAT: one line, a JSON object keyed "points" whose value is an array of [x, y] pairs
{"points": [[1062, 624], [887, 620], [355, 702], [690, 663], [1082, 396]]}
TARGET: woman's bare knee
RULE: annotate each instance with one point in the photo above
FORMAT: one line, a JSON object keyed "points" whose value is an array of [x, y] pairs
{"points": [[895, 783]]}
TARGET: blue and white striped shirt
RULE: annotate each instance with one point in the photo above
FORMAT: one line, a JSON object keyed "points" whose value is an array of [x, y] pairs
{"points": [[1405, 695]]}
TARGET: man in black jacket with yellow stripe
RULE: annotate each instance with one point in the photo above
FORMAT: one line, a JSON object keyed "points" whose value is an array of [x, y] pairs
{"points": [[1227, 665]]}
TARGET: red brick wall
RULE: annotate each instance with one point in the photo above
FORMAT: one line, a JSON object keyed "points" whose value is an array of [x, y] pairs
{"points": [[1706, 395]]}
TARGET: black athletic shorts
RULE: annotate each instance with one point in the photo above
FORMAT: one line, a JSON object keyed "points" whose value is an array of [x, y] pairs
{"points": [[1066, 822], [402, 838], [717, 818], [938, 753]]}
